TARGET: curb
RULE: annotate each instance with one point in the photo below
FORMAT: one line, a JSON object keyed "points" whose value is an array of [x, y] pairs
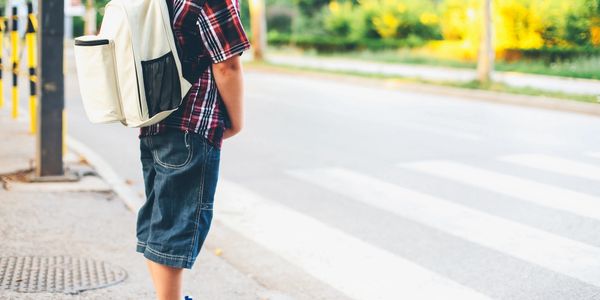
{"points": [[467, 94], [118, 184]]}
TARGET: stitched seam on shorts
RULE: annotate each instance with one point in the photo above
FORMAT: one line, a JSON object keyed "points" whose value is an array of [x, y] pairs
{"points": [[206, 160], [199, 207], [164, 255], [170, 166]]}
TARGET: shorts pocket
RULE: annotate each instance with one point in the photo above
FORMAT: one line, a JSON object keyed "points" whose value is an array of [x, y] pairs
{"points": [[172, 150], [98, 80], [161, 84]]}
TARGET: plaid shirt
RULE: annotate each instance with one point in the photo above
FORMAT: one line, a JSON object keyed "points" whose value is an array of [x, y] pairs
{"points": [[207, 32]]}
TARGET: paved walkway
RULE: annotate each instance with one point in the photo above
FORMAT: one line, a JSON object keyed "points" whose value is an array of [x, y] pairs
{"points": [[548, 83], [86, 220]]}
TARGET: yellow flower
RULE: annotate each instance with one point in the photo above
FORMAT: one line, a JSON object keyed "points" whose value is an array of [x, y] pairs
{"points": [[429, 18], [334, 6], [386, 25], [401, 7]]}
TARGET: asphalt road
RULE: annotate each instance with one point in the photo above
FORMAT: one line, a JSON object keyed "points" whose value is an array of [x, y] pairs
{"points": [[340, 190]]}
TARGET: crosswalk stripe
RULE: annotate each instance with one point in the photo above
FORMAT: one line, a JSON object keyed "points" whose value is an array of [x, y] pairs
{"points": [[356, 268], [555, 165], [593, 154], [524, 189], [533, 245], [442, 131]]}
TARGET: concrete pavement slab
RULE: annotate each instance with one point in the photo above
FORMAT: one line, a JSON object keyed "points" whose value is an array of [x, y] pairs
{"points": [[17, 151], [86, 219]]}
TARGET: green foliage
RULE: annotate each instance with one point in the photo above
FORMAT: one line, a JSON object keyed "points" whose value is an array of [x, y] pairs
{"points": [[100, 11], [78, 26], [345, 20], [376, 24], [340, 44], [544, 30], [280, 18], [577, 30], [557, 54], [101, 3], [309, 7]]}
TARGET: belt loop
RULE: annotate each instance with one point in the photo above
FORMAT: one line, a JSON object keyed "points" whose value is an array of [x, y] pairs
{"points": [[185, 138]]}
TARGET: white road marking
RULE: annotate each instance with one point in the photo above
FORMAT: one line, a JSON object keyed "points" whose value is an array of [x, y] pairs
{"points": [[541, 194], [441, 131], [348, 264], [556, 165], [544, 249], [593, 154]]}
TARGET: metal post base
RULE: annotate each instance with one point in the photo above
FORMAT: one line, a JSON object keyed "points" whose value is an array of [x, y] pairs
{"points": [[68, 176]]}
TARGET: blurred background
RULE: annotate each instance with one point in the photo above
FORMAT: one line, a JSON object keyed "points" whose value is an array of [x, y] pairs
{"points": [[393, 149], [553, 37]]}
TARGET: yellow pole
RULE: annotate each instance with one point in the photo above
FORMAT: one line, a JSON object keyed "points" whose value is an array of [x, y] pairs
{"points": [[31, 63], [2, 30], [64, 133], [14, 39]]}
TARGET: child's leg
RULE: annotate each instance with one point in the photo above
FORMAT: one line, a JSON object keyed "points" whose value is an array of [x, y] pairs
{"points": [[167, 281]]}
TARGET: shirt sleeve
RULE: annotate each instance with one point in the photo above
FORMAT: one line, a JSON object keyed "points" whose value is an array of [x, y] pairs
{"points": [[221, 29]]}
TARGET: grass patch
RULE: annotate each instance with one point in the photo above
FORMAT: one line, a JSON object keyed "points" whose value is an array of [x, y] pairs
{"points": [[474, 85], [503, 88]]}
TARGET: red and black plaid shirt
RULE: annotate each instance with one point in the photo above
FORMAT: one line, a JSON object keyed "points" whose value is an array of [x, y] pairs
{"points": [[207, 32]]}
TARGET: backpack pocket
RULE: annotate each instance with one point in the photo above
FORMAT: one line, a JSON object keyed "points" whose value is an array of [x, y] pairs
{"points": [[98, 80], [161, 84]]}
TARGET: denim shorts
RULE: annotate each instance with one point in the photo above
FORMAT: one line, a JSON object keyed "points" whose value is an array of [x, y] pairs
{"points": [[180, 176]]}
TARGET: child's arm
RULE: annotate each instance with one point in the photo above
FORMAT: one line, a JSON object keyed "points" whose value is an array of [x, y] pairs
{"points": [[230, 83]]}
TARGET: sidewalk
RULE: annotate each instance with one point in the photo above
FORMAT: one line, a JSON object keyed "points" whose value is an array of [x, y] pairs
{"points": [[80, 222], [547, 83]]}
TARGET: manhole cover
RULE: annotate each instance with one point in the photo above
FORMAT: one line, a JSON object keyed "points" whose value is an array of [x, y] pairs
{"points": [[57, 274]]}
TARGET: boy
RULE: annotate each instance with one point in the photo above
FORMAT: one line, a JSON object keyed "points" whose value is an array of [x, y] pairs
{"points": [[181, 154]]}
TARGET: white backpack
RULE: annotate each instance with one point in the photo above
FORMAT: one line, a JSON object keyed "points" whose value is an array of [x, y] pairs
{"points": [[130, 72]]}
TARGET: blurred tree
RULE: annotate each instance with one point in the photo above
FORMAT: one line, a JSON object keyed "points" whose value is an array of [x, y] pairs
{"points": [[90, 18], [258, 24], [577, 30], [519, 25], [280, 18], [387, 19], [345, 20], [485, 65], [101, 3], [309, 7]]}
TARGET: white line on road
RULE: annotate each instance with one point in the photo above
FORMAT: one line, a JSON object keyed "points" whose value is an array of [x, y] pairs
{"points": [[556, 165], [524, 189], [533, 245], [593, 154], [440, 130], [346, 263]]}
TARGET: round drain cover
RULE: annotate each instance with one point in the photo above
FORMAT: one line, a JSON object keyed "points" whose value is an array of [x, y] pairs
{"points": [[57, 274]]}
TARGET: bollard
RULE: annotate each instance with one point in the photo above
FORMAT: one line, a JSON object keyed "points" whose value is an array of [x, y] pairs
{"points": [[2, 30], [30, 39], [14, 40]]}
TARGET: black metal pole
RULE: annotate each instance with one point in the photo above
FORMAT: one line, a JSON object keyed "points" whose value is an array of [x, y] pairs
{"points": [[51, 89]]}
